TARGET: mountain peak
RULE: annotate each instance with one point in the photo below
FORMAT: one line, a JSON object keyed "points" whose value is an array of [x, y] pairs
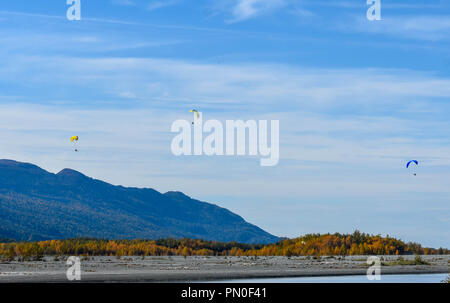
{"points": [[8, 162], [12, 163], [70, 176], [67, 172], [176, 194]]}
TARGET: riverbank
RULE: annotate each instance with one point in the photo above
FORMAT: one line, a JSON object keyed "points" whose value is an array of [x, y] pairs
{"points": [[180, 269]]}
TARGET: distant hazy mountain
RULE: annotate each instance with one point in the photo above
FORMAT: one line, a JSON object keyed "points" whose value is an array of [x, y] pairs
{"points": [[37, 205]]}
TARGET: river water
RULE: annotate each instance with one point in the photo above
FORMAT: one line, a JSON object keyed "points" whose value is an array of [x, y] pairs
{"points": [[417, 278]]}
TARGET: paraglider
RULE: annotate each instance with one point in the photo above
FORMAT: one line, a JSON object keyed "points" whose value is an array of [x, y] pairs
{"points": [[196, 114], [412, 162], [74, 140]]}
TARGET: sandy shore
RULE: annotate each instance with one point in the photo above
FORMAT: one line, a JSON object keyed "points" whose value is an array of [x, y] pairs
{"points": [[180, 269]]}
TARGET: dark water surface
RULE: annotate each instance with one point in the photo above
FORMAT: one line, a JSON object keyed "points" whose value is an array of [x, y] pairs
{"points": [[422, 278]]}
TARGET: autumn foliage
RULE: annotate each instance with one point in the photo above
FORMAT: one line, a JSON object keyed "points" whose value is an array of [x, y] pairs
{"points": [[308, 245]]}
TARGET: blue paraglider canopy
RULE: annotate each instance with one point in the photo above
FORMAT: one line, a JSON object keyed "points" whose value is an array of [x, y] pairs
{"points": [[412, 161]]}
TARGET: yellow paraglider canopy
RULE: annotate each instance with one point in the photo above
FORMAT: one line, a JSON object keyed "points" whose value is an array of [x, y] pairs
{"points": [[195, 112], [74, 138]]}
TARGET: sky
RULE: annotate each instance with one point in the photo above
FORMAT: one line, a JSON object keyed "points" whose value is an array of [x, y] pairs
{"points": [[356, 99]]}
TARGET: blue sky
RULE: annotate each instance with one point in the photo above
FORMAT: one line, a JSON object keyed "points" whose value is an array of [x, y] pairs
{"points": [[355, 99]]}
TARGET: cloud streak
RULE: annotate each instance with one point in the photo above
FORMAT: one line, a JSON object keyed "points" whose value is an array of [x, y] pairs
{"points": [[242, 10], [246, 9], [422, 27], [154, 5]]}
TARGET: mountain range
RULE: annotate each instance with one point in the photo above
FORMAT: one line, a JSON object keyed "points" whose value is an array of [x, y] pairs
{"points": [[38, 205]]}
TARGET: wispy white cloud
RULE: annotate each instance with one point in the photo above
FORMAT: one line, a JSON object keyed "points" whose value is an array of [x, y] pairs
{"points": [[421, 27], [243, 85], [95, 42], [246, 9], [241, 10], [149, 5], [176, 27], [154, 5], [388, 5], [434, 26], [25, 14], [124, 2]]}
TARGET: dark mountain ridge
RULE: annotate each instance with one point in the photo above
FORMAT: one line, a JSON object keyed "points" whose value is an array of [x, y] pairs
{"points": [[39, 205]]}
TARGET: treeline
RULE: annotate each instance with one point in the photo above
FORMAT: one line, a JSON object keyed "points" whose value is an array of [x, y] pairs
{"points": [[308, 245], [343, 245]]}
